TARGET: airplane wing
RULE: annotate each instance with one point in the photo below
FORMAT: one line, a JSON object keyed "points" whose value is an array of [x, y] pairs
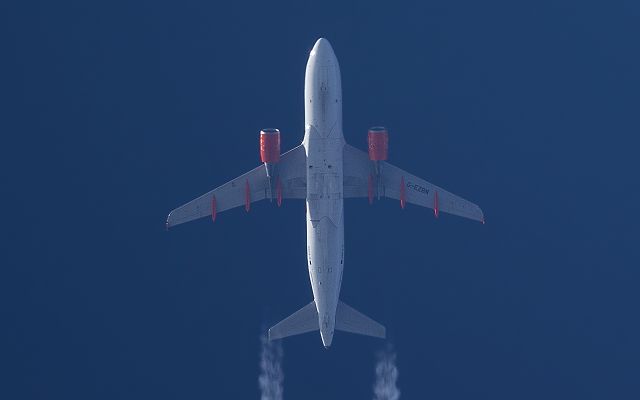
{"points": [[395, 183], [248, 188]]}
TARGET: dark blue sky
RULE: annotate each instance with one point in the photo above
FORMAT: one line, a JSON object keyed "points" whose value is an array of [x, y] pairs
{"points": [[115, 113]]}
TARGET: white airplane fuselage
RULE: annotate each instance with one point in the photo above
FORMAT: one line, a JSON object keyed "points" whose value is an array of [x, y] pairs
{"points": [[324, 143]]}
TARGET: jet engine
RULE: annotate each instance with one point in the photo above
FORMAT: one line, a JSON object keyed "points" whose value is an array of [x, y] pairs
{"points": [[270, 145], [270, 156], [378, 138]]}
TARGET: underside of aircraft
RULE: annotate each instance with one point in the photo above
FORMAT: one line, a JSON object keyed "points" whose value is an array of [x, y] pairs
{"points": [[324, 170]]}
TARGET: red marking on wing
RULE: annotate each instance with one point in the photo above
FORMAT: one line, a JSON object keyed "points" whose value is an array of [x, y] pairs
{"points": [[403, 193], [370, 189], [247, 197], [279, 192], [213, 209], [435, 205]]}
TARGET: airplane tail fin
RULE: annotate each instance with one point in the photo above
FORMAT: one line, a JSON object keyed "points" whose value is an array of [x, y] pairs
{"points": [[302, 321], [306, 320], [350, 320]]}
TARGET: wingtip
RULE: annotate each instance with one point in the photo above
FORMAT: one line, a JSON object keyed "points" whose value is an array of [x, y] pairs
{"points": [[480, 215]]}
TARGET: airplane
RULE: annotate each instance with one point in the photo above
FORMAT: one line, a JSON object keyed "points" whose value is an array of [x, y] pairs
{"points": [[324, 170]]}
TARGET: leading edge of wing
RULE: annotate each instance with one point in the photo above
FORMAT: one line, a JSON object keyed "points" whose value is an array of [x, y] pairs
{"points": [[248, 188]]}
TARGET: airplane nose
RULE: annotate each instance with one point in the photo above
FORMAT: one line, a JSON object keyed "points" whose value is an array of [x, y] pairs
{"points": [[322, 49]]}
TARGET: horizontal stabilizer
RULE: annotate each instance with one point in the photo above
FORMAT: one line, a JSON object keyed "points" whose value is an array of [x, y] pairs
{"points": [[302, 321], [350, 320]]}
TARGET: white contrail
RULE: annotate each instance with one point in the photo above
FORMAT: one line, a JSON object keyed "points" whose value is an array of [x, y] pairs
{"points": [[271, 375], [385, 387]]}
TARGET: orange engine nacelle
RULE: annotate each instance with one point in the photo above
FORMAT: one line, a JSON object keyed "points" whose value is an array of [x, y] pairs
{"points": [[270, 145], [378, 143]]}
